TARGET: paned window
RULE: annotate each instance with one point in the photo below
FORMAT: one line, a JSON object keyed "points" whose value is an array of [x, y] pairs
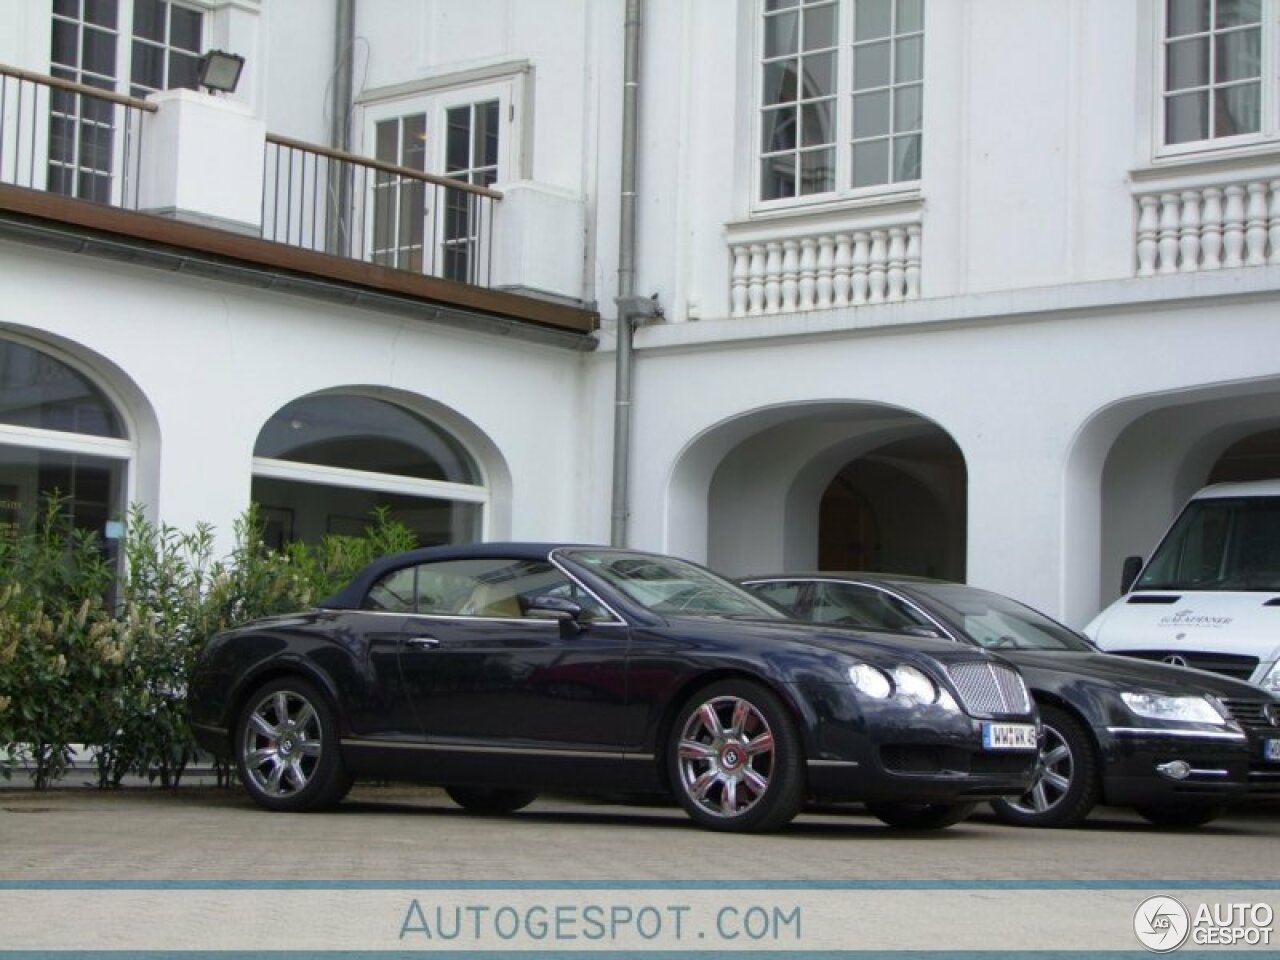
{"points": [[841, 96], [464, 134], [1212, 70], [147, 44]]}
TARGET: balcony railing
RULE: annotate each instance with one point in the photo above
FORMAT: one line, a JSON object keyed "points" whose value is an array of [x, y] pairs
{"points": [[80, 141], [363, 209], [70, 138]]}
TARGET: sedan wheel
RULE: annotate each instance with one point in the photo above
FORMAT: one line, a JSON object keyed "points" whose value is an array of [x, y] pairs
{"points": [[287, 748], [1068, 784], [735, 758]]}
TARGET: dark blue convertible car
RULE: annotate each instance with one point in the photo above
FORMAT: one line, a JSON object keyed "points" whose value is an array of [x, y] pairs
{"points": [[500, 670]]}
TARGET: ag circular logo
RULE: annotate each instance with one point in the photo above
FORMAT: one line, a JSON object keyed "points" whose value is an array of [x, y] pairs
{"points": [[1161, 924]]}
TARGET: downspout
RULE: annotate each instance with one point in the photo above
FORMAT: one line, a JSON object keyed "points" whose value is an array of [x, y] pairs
{"points": [[340, 124], [626, 299]]}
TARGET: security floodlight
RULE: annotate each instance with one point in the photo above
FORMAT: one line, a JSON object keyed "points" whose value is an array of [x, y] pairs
{"points": [[220, 71]]}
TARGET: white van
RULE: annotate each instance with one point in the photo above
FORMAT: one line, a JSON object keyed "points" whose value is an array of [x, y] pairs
{"points": [[1209, 597]]}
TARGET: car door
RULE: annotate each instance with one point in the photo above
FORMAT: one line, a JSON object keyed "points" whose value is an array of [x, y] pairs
{"points": [[484, 676]]}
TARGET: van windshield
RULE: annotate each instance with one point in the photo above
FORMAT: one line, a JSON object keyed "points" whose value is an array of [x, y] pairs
{"points": [[1219, 544]]}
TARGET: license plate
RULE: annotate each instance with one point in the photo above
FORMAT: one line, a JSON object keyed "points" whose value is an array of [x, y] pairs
{"points": [[1009, 736], [1271, 750]]}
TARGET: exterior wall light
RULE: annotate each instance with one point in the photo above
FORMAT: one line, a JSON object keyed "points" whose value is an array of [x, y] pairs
{"points": [[219, 71]]}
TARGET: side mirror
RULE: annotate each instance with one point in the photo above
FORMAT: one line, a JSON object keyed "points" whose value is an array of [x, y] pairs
{"points": [[1132, 567], [553, 608]]}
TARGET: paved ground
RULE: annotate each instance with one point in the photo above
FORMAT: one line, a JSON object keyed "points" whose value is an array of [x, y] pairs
{"points": [[395, 833]]}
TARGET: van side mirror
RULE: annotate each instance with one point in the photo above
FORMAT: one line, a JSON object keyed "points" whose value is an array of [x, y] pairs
{"points": [[1129, 573]]}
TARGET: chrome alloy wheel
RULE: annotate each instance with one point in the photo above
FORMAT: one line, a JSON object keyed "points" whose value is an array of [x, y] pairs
{"points": [[281, 746], [1054, 773], [726, 756]]}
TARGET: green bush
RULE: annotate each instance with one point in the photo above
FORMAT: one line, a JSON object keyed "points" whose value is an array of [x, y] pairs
{"points": [[75, 671]]}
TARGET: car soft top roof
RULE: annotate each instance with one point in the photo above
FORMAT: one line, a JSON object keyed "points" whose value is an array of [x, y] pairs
{"points": [[350, 596]]}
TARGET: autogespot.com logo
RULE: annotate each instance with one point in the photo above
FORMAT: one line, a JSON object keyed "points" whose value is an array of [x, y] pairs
{"points": [[1161, 924]]}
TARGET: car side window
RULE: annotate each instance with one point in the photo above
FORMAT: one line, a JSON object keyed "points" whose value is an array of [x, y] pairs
{"points": [[861, 606], [785, 594], [491, 587]]}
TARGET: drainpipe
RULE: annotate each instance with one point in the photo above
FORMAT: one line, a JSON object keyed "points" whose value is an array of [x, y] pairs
{"points": [[340, 124], [631, 309]]}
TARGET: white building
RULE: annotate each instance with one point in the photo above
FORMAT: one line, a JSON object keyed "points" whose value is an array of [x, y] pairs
{"points": [[974, 288]]}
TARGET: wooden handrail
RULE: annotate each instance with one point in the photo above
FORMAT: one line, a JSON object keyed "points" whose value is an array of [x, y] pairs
{"points": [[71, 86], [391, 168]]}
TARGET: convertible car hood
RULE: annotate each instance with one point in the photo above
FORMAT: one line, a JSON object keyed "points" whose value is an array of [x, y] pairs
{"points": [[849, 640], [1126, 673]]}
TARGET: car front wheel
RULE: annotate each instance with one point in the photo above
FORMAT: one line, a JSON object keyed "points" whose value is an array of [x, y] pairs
{"points": [[1068, 781], [286, 748], [735, 760]]}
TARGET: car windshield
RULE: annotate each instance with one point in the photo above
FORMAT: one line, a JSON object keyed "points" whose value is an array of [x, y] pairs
{"points": [[666, 585], [991, 620], [1219, 544]]}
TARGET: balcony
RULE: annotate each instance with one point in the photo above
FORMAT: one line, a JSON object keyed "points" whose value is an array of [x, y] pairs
{"points": [[186, 175]]}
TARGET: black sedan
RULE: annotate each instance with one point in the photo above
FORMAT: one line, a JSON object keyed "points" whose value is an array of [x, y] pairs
{"points": [[1175, 744], [500, 670]]}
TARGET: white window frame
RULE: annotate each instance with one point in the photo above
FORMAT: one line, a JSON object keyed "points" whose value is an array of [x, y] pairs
{"points": [[1269, 123], [124, 142], [844, 190], [432, 100]]}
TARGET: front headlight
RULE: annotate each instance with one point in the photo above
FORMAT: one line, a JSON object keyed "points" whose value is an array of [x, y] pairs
{"points": [[1270, 681], [906, 683], [1180, 709]]}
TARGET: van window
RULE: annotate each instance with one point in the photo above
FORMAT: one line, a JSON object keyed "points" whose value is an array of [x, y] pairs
{"points": [[1219, 544]]}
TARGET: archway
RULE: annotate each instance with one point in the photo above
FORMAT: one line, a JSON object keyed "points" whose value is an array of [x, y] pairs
{"points": [[764, 478]]}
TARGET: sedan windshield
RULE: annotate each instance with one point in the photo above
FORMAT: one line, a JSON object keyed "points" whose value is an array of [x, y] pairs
{"points": [[991, 620], [668, 586]]}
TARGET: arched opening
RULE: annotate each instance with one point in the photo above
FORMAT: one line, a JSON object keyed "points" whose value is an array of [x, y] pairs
{"points": [[832, 485], [1255, 457], [60, 436], [323, 464]]}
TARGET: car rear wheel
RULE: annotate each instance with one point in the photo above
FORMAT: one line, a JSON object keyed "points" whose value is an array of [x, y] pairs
{"points": [[1179, 816], [921, 816], [735, 760], [1068, 779], [286, 748], [490, 801]]}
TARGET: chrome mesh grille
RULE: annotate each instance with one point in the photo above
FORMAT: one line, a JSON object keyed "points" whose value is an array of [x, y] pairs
{"points": [[990, 689]]}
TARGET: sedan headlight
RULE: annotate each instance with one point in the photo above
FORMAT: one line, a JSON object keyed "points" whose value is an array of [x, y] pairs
{"points": [[1181, 709], [908, 684]]}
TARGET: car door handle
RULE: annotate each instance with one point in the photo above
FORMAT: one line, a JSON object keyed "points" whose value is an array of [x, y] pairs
{"points": [[422, 643]]}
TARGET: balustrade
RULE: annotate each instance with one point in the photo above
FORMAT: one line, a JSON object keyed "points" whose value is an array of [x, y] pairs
{"points": [[825, 271], [1208, 228]]}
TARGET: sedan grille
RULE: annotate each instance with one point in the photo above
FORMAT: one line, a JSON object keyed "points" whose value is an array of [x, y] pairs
{"points": [[1228, 664], [990, 689], [1251, 714]]}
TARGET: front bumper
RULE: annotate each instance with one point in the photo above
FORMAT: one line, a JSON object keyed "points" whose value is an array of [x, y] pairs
{"points": [[1151, 766], [918, 756]]}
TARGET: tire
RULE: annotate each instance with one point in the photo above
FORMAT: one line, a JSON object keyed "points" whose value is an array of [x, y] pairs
{"points": [[1179, 816], [921, 816], [735, 760], [1069, 779], [286, 748], [490, 801]]}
